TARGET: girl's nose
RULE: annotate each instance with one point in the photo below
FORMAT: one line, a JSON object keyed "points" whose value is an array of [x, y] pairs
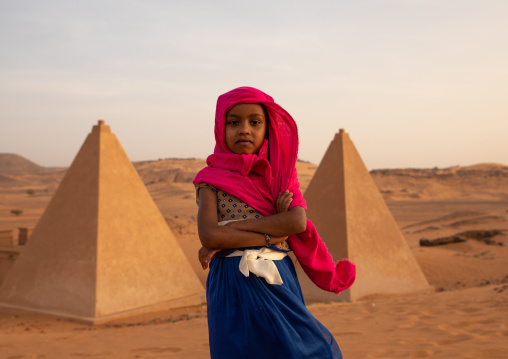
{"points": [[245, 128]]}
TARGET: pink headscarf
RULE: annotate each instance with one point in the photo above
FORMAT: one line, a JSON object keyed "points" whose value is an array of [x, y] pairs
{"points": [[257, 179]]}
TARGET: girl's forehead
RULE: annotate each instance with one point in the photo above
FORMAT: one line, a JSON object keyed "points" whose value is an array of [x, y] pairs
{"points": [[244, 107]]}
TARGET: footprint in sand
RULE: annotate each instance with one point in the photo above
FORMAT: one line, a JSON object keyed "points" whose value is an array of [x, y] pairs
{"points": [[157, 350], [486, 353], [382, 353], [456, 339], [451, 326], [410, 322], [422, 354], [412, 341], [84, 355], [469, 310], [502, 334], [478, 327]]}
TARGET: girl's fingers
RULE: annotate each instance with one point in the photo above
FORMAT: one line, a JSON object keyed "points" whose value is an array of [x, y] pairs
{"points": [[202, 259], [287, 202], [205, 255], [210, 255], [284, 200]]}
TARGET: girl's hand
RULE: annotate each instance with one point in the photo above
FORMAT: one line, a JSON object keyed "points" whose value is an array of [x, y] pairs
{"points": [[276, 240], [283, 201], [205, 255]]}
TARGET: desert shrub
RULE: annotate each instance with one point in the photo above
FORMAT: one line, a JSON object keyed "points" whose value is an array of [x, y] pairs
{"points": [[16, 212], [30, 192]]}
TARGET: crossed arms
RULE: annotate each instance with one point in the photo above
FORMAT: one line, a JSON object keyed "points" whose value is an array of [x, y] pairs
{"points": [[245, 233]]}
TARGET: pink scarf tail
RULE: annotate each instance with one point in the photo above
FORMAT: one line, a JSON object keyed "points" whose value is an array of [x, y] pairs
{"points": [[318, 264]]}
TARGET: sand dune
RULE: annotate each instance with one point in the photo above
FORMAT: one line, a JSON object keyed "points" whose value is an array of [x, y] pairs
{"points": [[482, 182], [464, 318], [13, 164]]}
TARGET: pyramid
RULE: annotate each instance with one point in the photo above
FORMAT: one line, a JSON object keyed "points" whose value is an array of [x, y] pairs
{"points": [[352, 218], [101, 249]]}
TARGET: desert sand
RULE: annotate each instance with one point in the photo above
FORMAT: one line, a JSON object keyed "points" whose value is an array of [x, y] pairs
{"points": [[464, 317]]}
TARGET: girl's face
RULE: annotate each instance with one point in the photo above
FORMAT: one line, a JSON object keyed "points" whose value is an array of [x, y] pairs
{"points": [[245, 128]]}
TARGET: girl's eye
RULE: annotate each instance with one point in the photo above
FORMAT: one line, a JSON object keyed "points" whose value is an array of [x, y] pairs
{"points": [[231, 122], [255, 122]]}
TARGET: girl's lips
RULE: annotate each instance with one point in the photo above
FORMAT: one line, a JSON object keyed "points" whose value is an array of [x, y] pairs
{"points": [[244, 142]]}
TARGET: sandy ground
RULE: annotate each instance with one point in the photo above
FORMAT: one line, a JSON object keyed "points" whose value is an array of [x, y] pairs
{"points": [[465, 317], [467, 323]]}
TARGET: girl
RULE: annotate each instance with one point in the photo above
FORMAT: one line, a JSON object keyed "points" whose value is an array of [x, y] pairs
{"points": [[251, 214]]}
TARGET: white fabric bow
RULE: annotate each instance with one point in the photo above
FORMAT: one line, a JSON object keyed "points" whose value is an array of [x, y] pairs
{"points": [[260, 262]]}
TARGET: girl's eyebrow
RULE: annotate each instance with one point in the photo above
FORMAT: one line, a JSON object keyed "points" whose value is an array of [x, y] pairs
{"points": [[251, 115]]}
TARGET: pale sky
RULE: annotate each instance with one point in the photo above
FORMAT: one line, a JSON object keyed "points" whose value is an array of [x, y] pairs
{"points": [[416, 83]]}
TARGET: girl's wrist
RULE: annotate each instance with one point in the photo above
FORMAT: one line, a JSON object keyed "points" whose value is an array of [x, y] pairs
{"points": [[268, 240]]}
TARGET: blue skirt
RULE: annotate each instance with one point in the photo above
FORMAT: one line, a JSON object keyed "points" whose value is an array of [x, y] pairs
{"points": [[249, 318]]}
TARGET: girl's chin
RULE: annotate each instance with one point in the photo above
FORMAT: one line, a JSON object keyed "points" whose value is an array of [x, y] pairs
{"points": [[245, 151]]}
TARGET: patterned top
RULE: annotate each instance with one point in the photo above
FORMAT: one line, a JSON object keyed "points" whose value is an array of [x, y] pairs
{"points": [[230, 208]]}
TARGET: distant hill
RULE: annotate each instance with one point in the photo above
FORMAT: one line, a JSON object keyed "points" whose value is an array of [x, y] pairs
{"points": [[481, 182], [485, 181], [16, 165], [183, 170], [171, 170]]}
